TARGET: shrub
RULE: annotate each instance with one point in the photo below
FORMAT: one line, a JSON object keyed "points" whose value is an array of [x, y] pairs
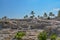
{"points": [[19, 35], [42, 36], [53, 36]]}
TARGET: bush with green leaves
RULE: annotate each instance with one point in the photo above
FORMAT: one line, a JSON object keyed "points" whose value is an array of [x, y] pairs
{"points": [[42, 36], [19, 35], [53, 36]]}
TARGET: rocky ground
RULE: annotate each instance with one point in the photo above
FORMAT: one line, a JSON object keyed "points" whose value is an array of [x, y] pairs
{"points": [[31, 26]]}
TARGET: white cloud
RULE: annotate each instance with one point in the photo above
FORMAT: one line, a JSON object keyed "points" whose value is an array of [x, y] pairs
{"points": [[56, 9]]}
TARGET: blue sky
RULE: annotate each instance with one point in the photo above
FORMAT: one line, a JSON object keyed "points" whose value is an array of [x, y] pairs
{"points": [[19, 8]]}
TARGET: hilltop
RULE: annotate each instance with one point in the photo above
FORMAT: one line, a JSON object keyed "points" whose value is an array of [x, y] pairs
{"points": [[35, 25]]}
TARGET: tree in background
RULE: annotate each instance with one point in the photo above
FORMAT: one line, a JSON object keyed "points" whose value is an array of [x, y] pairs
{"points": [[51, 14], [32, 13], [45, 15], [42, 36], [53, 36], [59, 13], [19, 35], [38, 16], [26, 16], [5, 17]]}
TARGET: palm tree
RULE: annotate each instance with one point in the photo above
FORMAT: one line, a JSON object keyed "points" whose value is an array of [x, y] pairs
{"points": [[5, 17], [45, 15], [26, 16], [32, 13], [51, 14]]}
